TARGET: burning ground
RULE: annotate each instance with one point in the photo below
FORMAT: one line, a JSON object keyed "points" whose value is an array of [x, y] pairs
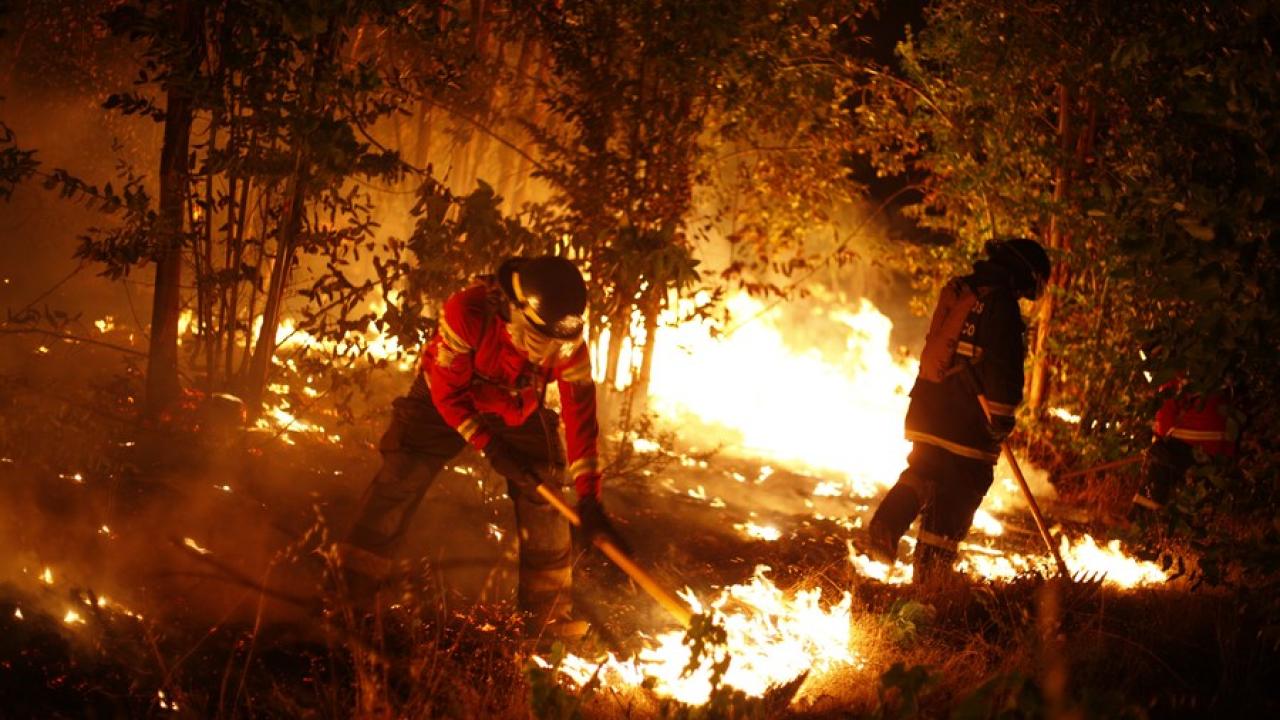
{"points": [[183, 572]]}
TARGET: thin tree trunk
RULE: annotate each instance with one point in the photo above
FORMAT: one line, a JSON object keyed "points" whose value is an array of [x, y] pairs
{"points": [[260, 366], [534, 113], [618, 328], [422, 143], [1054, 239], [162, 387], [254, 289], [204, 282], [652, 306], [235, 254]]}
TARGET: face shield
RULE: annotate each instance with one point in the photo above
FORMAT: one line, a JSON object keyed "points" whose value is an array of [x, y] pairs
{"points": [[537, 346]]}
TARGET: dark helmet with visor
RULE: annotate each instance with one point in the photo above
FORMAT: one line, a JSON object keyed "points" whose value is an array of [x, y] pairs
{"points": [[1026, 262], [548, 293]]}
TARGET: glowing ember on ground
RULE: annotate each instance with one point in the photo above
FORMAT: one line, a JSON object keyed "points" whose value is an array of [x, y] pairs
{"points": [[767, 533], [166, 704], [827, 488], [72, 618], [47, 576], [195, 546], [1065, 415], [17, 613], [773, 638]]}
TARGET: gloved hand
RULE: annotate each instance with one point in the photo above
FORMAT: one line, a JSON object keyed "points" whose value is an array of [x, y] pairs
{"points": [[595, 522], [1001, 427], [515, 467]]}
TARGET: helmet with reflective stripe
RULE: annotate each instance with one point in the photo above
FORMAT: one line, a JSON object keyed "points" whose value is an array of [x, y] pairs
{"points": [[1026, 262], [549, 291]]}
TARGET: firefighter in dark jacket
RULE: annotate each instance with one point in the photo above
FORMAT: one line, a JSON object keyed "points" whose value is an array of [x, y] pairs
{"points": [[481, 381], [974, 346]]}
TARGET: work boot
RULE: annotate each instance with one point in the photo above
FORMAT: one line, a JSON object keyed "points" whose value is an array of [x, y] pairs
{"points": [[362, 574], [554, 625], [933, 566], [876, 542]]}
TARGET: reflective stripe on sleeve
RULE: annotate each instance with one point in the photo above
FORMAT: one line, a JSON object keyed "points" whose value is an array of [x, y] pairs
{"points": [[469, 427], [579, 372], [1143, 501], [584, 466], [1001, 408], [1197, 435], [452, 338]]}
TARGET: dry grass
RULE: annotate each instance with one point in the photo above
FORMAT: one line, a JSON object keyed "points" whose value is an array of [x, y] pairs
{"points": [[222, 649]]}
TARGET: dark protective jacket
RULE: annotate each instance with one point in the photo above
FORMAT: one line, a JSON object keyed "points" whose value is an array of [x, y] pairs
{"points": [[988, 358], [472, 368]]}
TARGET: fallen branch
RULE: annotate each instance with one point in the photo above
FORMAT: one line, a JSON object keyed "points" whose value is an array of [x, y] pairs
{"points": [[68, 337]]}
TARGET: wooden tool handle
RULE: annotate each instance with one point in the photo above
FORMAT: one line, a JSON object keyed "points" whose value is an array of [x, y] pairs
{"points": [[667, 599]]}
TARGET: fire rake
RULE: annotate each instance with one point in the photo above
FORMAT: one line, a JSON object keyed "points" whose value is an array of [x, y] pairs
{"points": [[667, 599], [1022, 481]]}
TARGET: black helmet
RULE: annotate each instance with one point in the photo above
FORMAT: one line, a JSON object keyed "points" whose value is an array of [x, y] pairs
{"points": [[1026, 262], [549, 291]]}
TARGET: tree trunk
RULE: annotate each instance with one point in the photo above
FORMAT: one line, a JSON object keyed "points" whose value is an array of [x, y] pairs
{"points": [[1054, 239], [162, 386], [422, 143], [535, 114], [204, 282], [651, 307], [617, 331], [265, 348]]}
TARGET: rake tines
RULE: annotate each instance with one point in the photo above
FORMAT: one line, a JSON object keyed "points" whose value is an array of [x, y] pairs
{"points": [[1086, 577]]}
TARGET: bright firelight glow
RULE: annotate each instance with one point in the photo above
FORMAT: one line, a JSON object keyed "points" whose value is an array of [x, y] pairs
{"points": [[840, 411], [1083, 557], [773, 637]]}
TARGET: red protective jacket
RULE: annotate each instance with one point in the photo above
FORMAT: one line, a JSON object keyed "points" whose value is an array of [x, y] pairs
{"points": [[471, 367], [1196, 421]]}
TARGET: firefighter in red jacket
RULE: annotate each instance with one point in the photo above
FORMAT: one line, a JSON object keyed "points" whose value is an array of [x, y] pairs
{"points": [[1183, 423], [481, 381], [974, 346]]}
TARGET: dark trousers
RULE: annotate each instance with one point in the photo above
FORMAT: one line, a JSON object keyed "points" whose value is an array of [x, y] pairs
{"points": [[416, 447], [1164, 466], [945, 490]]}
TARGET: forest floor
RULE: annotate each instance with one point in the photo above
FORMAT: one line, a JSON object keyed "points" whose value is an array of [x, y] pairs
{"points": [[181, 572]]}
